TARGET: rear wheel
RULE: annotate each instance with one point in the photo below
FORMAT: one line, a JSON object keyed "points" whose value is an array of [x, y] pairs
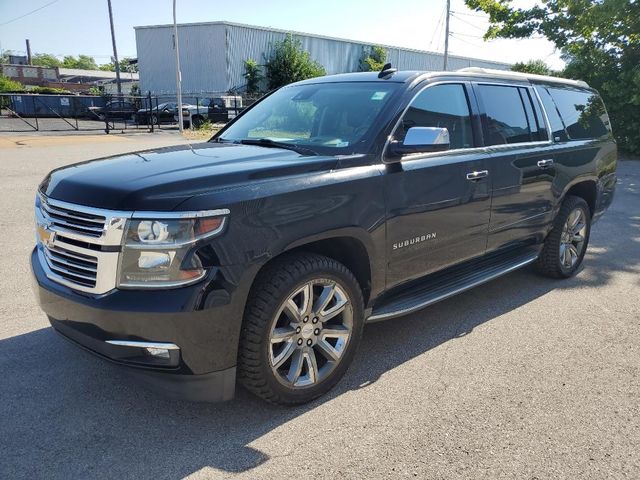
{"points": [[301, 329], [197, 121], [566, 245]]}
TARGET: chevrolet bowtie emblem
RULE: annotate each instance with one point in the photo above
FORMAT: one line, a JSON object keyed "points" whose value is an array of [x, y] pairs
{"points": [[45, 235]]}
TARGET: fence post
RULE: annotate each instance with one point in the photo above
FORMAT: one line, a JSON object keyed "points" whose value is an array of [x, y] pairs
{"points": [[35, 112], [150, 109]]}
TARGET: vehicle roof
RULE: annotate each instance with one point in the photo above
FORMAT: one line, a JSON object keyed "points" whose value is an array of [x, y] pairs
{"points": [[407, 76]]}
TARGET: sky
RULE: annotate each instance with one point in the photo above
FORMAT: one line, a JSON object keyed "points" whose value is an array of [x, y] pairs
{"points": [[73, 27]]}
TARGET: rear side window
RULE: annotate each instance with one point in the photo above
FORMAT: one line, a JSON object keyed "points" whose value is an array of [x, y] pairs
{"points": [[582, 112], [505, 119], [443, 106], [557, 127]]}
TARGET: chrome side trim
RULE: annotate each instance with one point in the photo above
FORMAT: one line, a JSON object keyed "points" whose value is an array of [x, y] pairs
{"points": [[143, 215], [130, 343], [414, 308]]}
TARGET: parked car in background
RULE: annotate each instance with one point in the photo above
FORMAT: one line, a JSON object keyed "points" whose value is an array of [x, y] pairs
{"points": [[216, 110], [157, 114], [114, 110]]}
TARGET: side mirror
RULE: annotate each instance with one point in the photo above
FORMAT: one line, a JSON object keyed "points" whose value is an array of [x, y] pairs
{"points": [[421, 140]]}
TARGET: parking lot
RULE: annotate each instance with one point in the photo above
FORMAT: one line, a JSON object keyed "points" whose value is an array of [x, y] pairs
{"points": [[522, 378]]}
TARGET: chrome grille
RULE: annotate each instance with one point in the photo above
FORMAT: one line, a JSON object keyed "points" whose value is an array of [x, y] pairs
{"points": [[82, 223], [79, 246], [72, 266]]}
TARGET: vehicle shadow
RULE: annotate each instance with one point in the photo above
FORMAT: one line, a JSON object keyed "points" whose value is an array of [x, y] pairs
{"points": [[65, 414]]}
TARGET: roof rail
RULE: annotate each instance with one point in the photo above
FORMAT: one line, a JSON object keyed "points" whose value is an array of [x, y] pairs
{"points": [[522, 76]]}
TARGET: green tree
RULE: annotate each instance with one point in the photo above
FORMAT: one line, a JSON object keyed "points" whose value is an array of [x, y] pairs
{"points": [[373, 59], [83, 62], [599, 40], [45, 60], [126, 65], [532, 66], [8, 85], [253, 76], [290, 63]]}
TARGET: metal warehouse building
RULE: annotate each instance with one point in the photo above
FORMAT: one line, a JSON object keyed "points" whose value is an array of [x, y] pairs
{"points": [[212, 55]]}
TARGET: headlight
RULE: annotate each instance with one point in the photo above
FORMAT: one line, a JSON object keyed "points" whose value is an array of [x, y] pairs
{"points": [[159, 252]]}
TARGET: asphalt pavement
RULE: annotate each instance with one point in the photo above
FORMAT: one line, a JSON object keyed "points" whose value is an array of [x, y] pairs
{"points": [[524, 377]]}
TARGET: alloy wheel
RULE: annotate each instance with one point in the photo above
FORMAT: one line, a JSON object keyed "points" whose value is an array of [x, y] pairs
{"points": [[310, 333], [572, 240]]}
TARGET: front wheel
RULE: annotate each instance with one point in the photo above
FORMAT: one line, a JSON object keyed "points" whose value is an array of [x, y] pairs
{"points": [[566, 245], [301, 329]]}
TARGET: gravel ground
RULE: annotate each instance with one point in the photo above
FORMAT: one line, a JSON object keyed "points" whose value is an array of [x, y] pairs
{"points": [[521, 378]]}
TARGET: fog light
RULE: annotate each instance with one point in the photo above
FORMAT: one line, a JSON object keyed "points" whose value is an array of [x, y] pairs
{"points": [[158, 352]]}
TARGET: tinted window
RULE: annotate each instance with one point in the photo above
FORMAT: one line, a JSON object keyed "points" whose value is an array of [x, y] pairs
{"points": [[443, 106], [505, 120], [535, 126], [557, 127], [582, 111]]}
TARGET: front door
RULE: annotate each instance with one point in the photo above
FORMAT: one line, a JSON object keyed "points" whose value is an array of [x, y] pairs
{"points": [[438, 204]]}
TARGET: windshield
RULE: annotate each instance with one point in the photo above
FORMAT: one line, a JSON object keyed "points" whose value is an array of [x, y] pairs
{"points": [[326, 117]]}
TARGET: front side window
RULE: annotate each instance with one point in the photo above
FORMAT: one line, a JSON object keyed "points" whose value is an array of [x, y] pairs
{"points": [[505, 120], [329, 118], [442, 106]]}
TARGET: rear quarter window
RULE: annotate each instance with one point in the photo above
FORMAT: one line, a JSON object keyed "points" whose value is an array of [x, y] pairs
{"points": [[582, 113]]}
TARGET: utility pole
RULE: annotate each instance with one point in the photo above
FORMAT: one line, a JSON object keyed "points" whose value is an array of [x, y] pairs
{"points": [[28, 52], [178, 73], [446, 36], [115, 50]]}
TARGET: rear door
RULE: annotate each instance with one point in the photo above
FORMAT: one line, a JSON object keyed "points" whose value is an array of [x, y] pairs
{"points": [[521, 163], [438, 204]]}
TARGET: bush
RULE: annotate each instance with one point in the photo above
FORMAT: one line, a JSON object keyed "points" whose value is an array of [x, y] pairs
{"points": [[289, 63], [8, 85], [373, 59], [253, 76]]}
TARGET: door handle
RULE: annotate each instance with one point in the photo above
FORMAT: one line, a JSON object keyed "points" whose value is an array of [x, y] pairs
{"points": [[477, 175], [545, 163]]}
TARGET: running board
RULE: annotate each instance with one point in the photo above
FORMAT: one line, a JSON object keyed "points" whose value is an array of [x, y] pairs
{"points": [[442, 285]]}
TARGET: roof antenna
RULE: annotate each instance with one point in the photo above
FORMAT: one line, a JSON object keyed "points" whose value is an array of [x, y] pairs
{"points": [[387, 71]]}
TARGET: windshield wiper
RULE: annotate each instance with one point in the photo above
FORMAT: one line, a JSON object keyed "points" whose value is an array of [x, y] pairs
{"points": [[266, 142]]}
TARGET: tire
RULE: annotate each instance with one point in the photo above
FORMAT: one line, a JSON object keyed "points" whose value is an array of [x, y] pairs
{"points": [[279, 335], [563, 252], [154, 120]]}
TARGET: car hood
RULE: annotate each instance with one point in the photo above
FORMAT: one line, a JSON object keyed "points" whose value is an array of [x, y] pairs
{"points": [[162, 179]]}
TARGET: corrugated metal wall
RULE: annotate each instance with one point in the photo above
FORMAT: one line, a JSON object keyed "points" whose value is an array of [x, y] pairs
{"points": [[212, 55]]}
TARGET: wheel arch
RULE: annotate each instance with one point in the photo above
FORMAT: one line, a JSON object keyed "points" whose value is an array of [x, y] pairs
{"points": [[587, 189], [347, 247]]}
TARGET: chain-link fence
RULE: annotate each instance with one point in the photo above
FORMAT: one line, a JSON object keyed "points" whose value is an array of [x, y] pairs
{"points": [[24, 112]]}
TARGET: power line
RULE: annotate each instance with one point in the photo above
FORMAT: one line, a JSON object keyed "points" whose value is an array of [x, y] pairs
{"points": [[468, 23], [438, 27], [467, 42], [29, 13], [468, 35], [469, 14]]}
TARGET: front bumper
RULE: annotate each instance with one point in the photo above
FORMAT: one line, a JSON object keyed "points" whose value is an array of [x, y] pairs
{"points": [[201, 320]]}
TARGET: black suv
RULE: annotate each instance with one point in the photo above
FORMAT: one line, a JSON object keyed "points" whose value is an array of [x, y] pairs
{"points": [[330, 203]]}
